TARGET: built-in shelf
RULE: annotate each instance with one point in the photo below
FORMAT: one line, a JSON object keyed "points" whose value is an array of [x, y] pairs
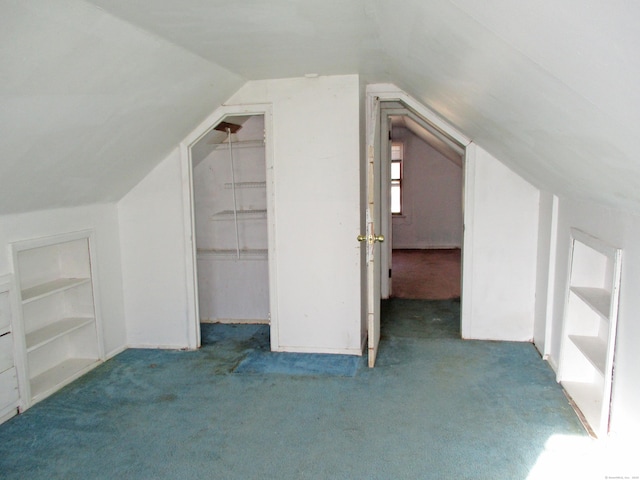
{"points": [[243, 214], [54, 350], [589, 328], [45, 289], [58, 376], [593, 348], [597, 298], [240, 144], [242, 185], [47, 334], [229, 254]]}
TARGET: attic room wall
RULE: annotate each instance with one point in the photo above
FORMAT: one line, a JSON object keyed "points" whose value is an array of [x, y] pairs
{"points": [[103, 219], [501, 225], [316, 147], [621, 230], [432, 197]]}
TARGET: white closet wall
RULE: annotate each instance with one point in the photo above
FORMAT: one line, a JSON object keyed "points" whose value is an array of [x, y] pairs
{"points": [[233, 282]]}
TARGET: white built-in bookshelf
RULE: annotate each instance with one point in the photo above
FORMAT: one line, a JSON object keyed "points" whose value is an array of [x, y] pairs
{"points": [[589, 328], [61, 332]]}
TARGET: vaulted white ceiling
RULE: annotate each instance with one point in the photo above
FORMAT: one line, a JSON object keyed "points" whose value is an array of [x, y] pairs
{"points": [[94, 94]]}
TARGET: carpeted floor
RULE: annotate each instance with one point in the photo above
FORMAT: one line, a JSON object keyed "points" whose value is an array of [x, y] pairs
{"points": [[426, 274], [435, 407]]}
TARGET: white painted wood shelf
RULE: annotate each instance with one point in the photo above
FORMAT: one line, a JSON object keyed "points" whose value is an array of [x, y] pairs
{"points": [[43, 290], [589, 328], [60, 375], [44, 335], [243, 185], [61, 338], [242, 214], [598, 299], [593, 348], [230, 254]]}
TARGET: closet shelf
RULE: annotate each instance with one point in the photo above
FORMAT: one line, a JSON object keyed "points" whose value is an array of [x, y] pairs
{"points": [[49, 288], [60, 375], [593, 348], [243, 214], [229, 254], [597, 298], [47, 334], [239, 185], [240, 144]]}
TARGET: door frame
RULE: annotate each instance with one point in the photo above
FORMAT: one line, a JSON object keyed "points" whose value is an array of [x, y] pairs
{"points": [[191, 271], [377, 94]]}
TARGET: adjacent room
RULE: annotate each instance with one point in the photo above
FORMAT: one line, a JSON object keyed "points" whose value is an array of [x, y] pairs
{"points": [[318, 240]]}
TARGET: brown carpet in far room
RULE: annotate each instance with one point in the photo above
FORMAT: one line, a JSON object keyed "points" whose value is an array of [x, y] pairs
{"points": [[426, 274]]}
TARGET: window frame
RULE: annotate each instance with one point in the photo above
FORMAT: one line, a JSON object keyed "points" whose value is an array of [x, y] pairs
{"points": [[397, 182]]}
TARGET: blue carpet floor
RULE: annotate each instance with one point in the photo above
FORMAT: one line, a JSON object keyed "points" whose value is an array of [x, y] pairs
{"points": [[435, 407]]}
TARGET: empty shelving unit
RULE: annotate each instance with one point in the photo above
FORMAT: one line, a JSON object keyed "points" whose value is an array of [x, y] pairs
{"points": [[230, 197], [62, 338], [589, 328]]}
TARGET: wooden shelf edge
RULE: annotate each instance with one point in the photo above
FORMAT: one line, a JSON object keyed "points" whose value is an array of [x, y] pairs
{"points": [[44, 335], [594, 349], [597, 298], [43, 290]]}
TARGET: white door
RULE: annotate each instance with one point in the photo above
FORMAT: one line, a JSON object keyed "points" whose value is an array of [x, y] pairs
{"points": [[370, 238]]}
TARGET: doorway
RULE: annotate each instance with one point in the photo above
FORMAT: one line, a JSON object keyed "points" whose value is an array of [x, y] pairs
{"points": [[426, 184], [230, 222], [383, 102]]}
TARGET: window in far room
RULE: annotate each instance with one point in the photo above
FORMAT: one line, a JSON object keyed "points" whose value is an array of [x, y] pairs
{"points": [[396, 178]]}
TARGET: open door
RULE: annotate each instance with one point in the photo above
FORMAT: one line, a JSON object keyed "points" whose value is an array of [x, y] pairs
{"points": [[370, 239]]}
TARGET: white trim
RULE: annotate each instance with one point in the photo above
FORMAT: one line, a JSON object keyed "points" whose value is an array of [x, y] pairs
{"points": [[193, 320], [333, 351], [387, 92], [468, 206], [116, 351], [551, 282]]}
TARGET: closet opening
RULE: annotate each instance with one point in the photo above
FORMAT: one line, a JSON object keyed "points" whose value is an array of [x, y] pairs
{"points": [[230, 213]]}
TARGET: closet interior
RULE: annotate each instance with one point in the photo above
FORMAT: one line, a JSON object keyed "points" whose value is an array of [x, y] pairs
{"points": [[230, 203]]}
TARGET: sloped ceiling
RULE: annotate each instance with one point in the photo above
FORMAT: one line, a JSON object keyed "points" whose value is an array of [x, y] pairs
{"points": [[94, 94]]}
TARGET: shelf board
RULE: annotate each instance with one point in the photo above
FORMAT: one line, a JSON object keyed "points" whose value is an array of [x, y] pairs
{"points": [[47, 334], [60, 375], [246, 185], [230, 254], [593, 348], [588, 399], [240, 144], [244, 214], [45, 289], [597, 298]]}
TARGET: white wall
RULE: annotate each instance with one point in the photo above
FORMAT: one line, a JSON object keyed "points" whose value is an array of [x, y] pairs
{"points": [[104, 221], [499, 252], [621, 230], [432, 197], [316, 147], [153, 259]]}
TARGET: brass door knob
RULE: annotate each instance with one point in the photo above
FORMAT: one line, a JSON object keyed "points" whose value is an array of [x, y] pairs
{"points": [[378, 238], [362, 238]]}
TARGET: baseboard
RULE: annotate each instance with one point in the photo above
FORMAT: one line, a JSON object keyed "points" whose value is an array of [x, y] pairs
{"points": [[115, 352], [399, 246], [262, 321], [159, 346], [332, 351]]}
